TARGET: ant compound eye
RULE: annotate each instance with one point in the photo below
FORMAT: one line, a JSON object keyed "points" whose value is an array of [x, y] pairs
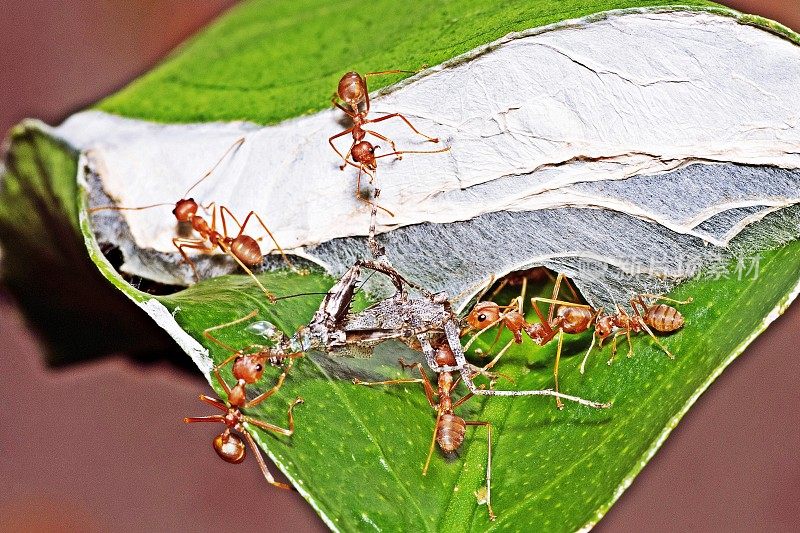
{"points": [[481, 317], [259, 368]]}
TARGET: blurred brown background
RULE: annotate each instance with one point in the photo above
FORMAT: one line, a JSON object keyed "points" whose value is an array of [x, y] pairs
{"points": [[100, 446]]}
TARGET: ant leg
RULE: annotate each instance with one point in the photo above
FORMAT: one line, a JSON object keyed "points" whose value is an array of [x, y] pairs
{"points": [[214, 402], [630, 344], [499, 288], [650, 332], [272, 427], [559, 302], [488, 425], [463, 398], [556, 290], [499, 355], [340, 134], [261, 463], [559, 404], [264, 395], [227, 250], [263, 225], [207, 333], [384, 138], [335, 102], [572, 290], [585, 357], [433, 442], [614, 345], [429, 393], [550, 333], [197, 244], [211, 418], [404, 119]]}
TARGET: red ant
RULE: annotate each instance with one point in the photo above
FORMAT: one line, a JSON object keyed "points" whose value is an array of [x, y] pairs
{"points": [[573, 318], [659, 317], [352, 90], [244, 249], [569, 318], [247, 368], [450, 429]]}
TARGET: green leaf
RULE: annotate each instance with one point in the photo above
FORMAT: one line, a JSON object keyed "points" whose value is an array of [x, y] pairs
{"points": [[267, 61], [358, 452], [45, 263]]}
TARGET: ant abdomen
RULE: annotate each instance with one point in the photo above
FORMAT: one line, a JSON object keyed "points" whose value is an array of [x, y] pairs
{"points": [[352, 89], [574, 319], [450, 432], [247, 250], [230, 447], [664, 318]]}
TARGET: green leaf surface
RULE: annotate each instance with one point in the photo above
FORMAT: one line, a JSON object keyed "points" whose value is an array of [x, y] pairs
{"points": [[268, 60], [358, 452]]}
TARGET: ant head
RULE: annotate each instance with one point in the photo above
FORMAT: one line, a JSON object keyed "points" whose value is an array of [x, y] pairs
{"points": [[444, 355], [250, 367], [352, 89], [230, 447], [364, 153], [483, 314], [604, 326], [185, 209]]}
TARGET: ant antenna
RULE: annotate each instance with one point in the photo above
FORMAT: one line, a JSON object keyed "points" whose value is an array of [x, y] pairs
{"points": [[232, 148], [300, 294], [117, 208]]}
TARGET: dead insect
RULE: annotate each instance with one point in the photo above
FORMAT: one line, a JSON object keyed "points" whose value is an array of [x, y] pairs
{"points": [[352, 90], [412, 315], [243, 248]]}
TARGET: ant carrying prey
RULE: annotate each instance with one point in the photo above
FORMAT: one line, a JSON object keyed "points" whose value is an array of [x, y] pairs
{"points": [[450, 429], [352, 90], [243, 248], [247, 368]]}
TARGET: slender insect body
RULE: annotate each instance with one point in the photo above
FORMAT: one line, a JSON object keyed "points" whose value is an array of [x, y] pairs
{"points": [[244, 249], [353, 92]]}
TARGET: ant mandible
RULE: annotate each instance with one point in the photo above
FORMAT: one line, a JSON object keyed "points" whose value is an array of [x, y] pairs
{"points": [[352, 90], [247, 369], [244, 249]]}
